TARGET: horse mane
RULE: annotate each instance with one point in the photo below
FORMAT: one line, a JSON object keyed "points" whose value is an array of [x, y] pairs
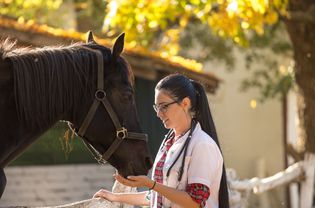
{"points": [[50, 81]]}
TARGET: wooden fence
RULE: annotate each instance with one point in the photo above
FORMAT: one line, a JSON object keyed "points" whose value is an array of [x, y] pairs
{"points": [[240, 190], [301, 172]]}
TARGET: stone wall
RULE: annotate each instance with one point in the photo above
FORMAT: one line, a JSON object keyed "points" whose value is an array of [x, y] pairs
{"points": [[54, 185]]}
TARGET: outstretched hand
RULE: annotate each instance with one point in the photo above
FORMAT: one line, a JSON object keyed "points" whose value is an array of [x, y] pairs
{"points": [[105, 194], [134, 181]]}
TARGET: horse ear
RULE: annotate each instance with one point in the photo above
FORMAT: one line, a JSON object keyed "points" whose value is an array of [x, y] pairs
{"points": [[118, 46], [90, 37]]}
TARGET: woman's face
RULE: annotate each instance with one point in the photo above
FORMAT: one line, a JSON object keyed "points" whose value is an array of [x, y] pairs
{"points": [[173, 114]]}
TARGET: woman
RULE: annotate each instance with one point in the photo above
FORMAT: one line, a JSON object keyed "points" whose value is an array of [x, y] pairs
{"points": [[188, 170]]}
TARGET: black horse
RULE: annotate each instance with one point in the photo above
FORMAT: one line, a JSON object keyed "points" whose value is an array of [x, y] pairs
{"points": [[86, 84]]}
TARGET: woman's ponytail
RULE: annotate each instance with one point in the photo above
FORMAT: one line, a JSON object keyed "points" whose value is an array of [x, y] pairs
{"points": [[203, 115]]}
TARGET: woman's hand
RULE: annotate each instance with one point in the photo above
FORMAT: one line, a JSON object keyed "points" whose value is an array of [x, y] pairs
{"points": [[135, 181], [106, 195]]}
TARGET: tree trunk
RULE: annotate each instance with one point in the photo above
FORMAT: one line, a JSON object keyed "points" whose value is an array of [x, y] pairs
{"points": [[301, 29]]}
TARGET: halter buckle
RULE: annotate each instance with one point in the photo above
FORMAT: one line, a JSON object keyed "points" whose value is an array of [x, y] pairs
{"points": [[100, 94], [121, 133]]}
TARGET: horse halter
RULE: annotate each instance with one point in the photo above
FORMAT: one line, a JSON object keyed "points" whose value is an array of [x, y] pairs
{"points": [[100, 97]]}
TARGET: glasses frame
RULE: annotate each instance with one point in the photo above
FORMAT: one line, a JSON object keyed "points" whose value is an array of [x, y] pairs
{"points": [[163, 108]]}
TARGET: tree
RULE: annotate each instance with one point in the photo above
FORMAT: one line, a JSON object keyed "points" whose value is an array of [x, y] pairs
{"points": [[159, 24], [81, 15], [28, 9]]}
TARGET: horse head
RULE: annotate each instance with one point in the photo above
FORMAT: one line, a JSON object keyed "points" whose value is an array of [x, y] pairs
{"points": [[107, 120]]}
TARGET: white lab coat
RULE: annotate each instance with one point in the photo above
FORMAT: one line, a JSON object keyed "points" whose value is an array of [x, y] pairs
{"points": [[203, 164]]}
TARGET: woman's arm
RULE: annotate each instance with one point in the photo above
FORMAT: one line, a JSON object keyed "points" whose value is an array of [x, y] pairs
{"points": [[126, 198], [181, 198]]}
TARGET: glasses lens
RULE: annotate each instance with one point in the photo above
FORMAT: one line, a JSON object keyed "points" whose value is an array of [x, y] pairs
{"points": [[162, 108]]}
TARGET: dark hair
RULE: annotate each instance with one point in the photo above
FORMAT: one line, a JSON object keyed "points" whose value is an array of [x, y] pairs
{"points": [[178, 87]]}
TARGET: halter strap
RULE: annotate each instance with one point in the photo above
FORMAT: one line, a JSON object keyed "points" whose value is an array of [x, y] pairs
{"points": [[101, 97]]}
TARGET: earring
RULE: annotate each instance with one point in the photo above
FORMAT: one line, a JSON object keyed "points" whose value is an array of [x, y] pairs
{"points": [[192, 114]]}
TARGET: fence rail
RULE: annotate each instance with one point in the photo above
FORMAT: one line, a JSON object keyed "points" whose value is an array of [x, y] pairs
{"points": [[302, 172]]}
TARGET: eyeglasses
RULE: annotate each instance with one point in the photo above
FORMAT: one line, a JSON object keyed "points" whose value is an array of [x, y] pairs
{"points": [[162, 108]]}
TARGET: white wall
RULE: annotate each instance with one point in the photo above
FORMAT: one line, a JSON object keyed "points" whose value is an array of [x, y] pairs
{"points": [[247, 135], [54, 184]]}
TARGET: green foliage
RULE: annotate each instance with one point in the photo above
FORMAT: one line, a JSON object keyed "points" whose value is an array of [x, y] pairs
{"points": [[29, 9], [207, 46], [276, 81], [82, 15], [211, 26], [264, 60], [90, 15]]}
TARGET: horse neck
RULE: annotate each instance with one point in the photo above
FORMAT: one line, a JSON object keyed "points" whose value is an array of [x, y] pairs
{"points": [[35, 114], [53, 87], [15, 137]]}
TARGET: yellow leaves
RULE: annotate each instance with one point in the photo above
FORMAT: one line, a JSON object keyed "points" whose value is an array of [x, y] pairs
{"points": [[27, 4], [30, 25], [140, 17], [30, 22], [259, 6], [38, 10], [7, 1], [54, 4], [170, 42], [184, 21], [259, 28], [245, 25], [271, 17], [153, 24], [249, 14], [21, 20], [195, 2], [235, 17], [225, 24], [132, 44], [232, 8], [189, 63], [280, 4], [144, 20], [237, 39]]}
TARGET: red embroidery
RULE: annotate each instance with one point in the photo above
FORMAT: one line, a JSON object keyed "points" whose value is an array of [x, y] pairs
{"points": [[158, 173], [199, 193]]}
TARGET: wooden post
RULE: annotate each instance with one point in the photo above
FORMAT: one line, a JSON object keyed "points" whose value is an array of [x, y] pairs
{"points": [[307, 186], [285, 142]]}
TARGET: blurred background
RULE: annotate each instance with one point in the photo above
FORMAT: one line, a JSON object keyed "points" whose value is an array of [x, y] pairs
{"points": [[255, 58]]}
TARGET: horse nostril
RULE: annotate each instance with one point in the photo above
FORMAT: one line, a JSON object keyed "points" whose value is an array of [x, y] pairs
{"points": [[148, 162]]}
